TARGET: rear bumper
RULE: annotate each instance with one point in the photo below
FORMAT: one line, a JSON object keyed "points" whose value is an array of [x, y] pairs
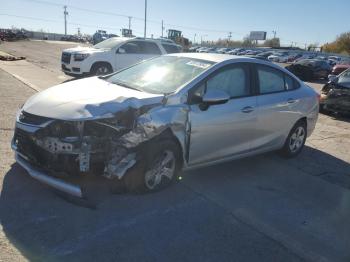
{"points": [[56, 183]]}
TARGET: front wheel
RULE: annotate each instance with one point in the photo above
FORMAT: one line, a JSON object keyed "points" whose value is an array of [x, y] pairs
{"points": [[101, 69], [295, 140], [161, 165]]}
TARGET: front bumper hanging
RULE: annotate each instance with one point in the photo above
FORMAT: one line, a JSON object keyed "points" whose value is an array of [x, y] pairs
{"points": [[56, 183]]}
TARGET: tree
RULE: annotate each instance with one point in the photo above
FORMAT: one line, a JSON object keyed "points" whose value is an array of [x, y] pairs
{"points": [[340, 45], [273, 42]]}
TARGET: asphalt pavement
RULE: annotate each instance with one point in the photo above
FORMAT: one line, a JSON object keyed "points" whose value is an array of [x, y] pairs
{"points": [[263, 208]]}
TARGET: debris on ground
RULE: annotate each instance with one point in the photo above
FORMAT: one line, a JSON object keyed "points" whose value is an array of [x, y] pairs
{"points": [[7, 57]]}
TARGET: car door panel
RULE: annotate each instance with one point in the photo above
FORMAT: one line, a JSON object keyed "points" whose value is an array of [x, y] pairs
{"points": [[223, 130], [277, 111]]}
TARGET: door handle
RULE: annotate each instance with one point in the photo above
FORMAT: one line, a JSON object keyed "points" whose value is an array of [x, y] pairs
{"points": [[247, 109], [291, 101]]}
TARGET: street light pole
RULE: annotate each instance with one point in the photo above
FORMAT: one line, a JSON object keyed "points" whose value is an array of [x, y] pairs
{"points": [[144, 33]]}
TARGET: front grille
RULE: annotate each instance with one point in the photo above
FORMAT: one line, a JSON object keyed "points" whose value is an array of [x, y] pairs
{"points": [[32, 119], [66, 58], [41, 158]]}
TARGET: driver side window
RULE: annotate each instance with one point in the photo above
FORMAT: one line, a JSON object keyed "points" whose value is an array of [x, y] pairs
{"points": [[130, 48], [232, 80]]}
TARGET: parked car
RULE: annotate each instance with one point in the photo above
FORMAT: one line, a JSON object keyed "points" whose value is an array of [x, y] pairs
{"points": [[336, 58], [73, 38], [113, 54], [257, 57], [193, 48], [223, 50], [235, 51], [341, 67], [309, 69], [265, 54], [142, 125], [335, 95], [279, 57]]}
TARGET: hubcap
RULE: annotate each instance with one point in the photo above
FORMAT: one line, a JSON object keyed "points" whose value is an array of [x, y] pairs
{"points": [[102, 70], [297, 139], [163, 167]]}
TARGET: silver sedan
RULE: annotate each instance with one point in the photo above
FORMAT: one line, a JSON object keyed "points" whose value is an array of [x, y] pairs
{"points": [[141, 126]]}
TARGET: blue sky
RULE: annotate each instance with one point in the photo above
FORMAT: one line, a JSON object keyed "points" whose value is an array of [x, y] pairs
{"points": [[301, 21]]}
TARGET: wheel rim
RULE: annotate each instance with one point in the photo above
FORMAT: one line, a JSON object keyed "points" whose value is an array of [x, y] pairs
{"points": [[102, 70], [297, 139], [162, 167]]}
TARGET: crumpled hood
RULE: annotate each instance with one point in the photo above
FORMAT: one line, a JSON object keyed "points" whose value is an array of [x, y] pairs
{"points": [[84, 49], [89, 98]]}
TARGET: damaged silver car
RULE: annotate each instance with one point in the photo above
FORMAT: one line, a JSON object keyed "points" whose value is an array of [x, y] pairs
{"points": [[144, 124]]}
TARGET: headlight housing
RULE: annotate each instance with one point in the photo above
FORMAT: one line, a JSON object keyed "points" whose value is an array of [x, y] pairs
{"points": [[80, 57]]}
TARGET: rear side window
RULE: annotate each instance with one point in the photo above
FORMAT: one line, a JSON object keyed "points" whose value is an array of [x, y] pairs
{"points": [[290, 83], [270, 80], [149, 48], [171, 48]]}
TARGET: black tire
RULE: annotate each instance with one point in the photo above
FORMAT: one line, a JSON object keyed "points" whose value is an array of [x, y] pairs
{"points": [[288, 149], [100, 69], [136, 179]]}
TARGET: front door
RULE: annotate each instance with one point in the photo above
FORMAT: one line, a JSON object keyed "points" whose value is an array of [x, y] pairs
{"points": [[223, 130]]}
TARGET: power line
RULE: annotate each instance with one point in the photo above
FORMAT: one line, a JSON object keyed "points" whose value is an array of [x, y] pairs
{"points": [[134, 17]]}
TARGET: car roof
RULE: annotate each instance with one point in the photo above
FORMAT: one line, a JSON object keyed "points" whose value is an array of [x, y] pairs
{"points": [[219, 58], [212, 57]]}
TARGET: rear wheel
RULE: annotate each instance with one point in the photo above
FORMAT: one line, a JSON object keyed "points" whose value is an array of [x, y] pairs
{"points": [[295, 140], [161, 165]]}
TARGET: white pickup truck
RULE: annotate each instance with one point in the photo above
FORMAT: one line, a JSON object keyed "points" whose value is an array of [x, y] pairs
{"points": [[113, 54]]}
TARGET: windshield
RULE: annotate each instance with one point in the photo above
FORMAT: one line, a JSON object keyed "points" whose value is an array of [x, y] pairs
{"points": [[160, 75], [109, 43], [344, 79]]}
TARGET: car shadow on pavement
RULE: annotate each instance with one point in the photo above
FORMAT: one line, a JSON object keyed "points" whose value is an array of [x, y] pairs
{"points": [[338, 116], [43, 227]]}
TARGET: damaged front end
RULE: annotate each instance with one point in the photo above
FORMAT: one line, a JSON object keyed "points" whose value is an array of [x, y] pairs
{"points": [[108, 146]]}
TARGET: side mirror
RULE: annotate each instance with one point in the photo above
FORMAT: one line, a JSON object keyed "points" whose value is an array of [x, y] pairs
{"points": [[215, 97], [332, 78], [121, 50]]}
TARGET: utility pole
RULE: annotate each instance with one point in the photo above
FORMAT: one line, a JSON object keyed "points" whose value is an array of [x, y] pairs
{"points": [[274, 33], [144, 32], [229, 38], [129, 22], [65, 19], [162, 28], [194, 38]]}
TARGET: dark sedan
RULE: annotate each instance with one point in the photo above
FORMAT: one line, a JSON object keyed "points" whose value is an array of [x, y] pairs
{"points": [[309, 69], [335, 95]]}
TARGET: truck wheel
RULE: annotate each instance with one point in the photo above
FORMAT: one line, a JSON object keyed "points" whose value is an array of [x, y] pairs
{"points": [[295, 140], [158, 168], [100, 69]]}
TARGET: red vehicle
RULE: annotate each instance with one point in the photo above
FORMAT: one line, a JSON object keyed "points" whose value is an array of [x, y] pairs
{"points": [[339, 68]]}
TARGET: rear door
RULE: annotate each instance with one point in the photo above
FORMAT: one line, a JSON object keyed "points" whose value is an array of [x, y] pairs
{"points": [[224, 130], [149, 49], [277, 107]]}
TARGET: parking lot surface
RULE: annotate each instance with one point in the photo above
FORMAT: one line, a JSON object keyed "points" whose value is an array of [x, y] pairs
{"points": [[263, 208]]}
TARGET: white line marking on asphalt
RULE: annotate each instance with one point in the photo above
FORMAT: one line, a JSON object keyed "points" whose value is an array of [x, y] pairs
{"points": [[26, 82]]}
